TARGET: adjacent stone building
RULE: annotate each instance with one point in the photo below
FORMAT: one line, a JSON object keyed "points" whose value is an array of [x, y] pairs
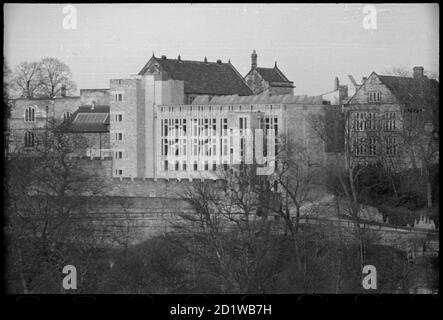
{"points": [[386, 110], [267, 80], [199, 77], [178, 118], [89, 125], [32, 118]]}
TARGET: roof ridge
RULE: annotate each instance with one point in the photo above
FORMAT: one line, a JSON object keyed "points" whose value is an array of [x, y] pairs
{"points": [[196, 61], [238, 73], [281, 72]]}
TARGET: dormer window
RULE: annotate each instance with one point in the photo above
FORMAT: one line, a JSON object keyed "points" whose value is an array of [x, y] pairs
{"points": [[374, 96]]}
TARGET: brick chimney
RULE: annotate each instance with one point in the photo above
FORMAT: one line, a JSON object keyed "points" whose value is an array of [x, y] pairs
{"points": [[336, 83], [253, 60], [418, 72]]}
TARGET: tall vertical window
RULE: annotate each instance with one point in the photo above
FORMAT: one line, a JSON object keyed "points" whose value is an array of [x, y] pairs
{"points": [[371, 121], [372, 147], [29, 139], [360, 147], [118, 97], [374, 96], [30, 114], [118, 136], [360, 121], [390, 120], [66, 115], [118, 117], [391, 146]]}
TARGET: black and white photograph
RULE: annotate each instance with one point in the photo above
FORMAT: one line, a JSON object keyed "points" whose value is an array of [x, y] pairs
{"points": [[221, 149]]}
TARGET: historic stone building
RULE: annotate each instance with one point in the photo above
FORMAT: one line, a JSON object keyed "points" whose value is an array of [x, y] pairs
{"points": [[32, 118], [91, 124], [267, 80], [178, 119], [386, 110], [199, 77]]}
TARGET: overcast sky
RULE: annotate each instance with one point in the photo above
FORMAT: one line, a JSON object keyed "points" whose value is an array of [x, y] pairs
{"points": [[311, 43]]}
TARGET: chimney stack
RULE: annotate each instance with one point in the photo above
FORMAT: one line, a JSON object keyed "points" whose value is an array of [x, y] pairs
{"points": [[63, 91], [179, 58], [336, 83], [418, 72], [363, 79], [253, 60]]}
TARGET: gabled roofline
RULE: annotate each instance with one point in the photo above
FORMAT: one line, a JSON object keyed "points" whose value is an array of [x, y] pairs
{"points": [[239, 75], [363, 83], [281, 73], [381, 80], [252, 69], [146, 65]]}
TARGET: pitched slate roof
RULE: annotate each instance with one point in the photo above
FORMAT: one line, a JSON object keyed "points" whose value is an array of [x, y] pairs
{"points": [[258, 99], [204, 77], [272, 74], [412, 92], [88, 119]]}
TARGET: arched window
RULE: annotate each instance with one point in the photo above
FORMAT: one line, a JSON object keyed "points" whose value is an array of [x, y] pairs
{"points": [[66, 115], [30, 114], [29, 139]]}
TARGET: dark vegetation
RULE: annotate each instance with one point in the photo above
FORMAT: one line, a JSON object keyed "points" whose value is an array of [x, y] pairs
{"points": [[162, 265]]}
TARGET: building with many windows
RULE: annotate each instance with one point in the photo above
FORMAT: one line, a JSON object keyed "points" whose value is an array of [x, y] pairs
{"points": [[387, 113], [185, 119], [32, 118]]}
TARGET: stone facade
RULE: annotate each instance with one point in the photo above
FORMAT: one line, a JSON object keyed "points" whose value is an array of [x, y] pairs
{"points": [[267, 80], [42, 113], [367, 125]]}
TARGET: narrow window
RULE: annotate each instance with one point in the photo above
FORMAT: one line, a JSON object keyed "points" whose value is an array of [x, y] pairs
{"points": [[29, 139]]}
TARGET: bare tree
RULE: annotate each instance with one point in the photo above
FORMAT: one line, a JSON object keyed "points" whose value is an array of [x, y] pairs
{"points": [[229, 240], [343, 180], [47, 221], [48, 77], [55, 76], [419, 133], [26, 79]]}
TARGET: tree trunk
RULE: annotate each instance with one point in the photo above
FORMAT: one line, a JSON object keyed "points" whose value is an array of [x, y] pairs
{"points": [[429, 193], [22, 276]]}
